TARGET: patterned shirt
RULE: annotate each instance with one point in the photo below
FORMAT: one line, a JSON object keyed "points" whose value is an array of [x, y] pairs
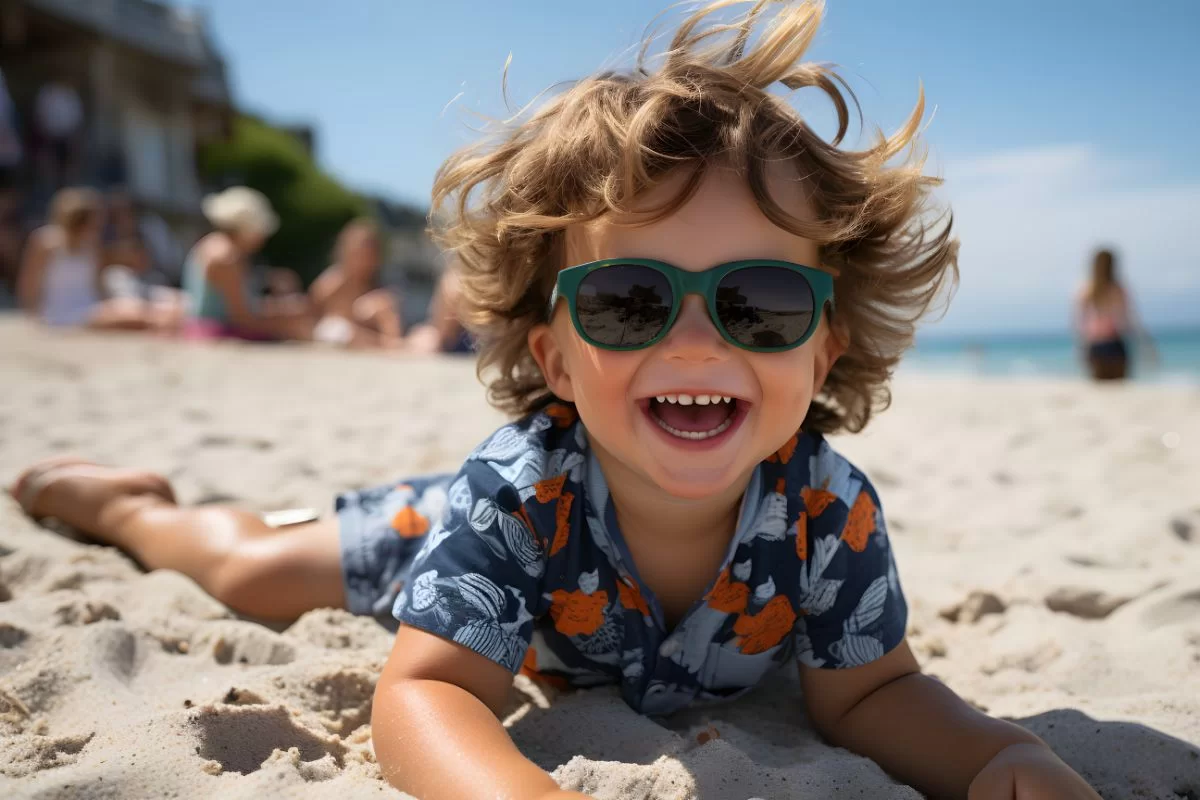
{"points": [[528, 567]]}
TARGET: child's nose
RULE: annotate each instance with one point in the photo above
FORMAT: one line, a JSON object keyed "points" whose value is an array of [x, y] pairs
{"points": [[693, 337]]}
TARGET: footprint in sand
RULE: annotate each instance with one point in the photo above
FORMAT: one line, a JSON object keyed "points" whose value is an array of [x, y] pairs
{"points": [[38, 753], [1085, 603], [341, 699], [11, 636], [240, 738], [335, 629], [245, 643], [1186, 526], [976, 606], [116, 650]]}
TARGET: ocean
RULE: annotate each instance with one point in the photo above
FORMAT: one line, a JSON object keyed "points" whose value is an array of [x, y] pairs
{"points": [[1052, 355]]}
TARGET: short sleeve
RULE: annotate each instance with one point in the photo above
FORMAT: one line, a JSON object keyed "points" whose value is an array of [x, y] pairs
{"points": [[477, 578], [852, 608]]}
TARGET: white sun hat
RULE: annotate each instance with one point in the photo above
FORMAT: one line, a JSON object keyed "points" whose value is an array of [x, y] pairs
{"points": [[241, 208]]}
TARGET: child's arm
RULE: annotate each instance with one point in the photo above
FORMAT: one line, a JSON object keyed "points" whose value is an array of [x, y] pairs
{"points": [[435, 726], [921, 732]]}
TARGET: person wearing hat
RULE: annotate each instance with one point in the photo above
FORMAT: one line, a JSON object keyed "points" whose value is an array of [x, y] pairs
{"points": [[216, 271]]}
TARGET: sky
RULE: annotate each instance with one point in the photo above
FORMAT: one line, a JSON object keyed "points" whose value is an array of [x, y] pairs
{"points": [[1058, 126]]}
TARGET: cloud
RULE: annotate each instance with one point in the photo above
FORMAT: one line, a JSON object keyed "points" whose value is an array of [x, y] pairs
{"points": [[1030, 219]]}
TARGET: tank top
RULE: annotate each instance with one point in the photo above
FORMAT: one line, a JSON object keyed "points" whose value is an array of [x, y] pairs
{"points": [[203, 300], [69, 287]]}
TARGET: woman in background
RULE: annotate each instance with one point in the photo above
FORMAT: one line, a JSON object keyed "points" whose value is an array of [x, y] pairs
{"points": [[217, 270], [1104, 321], [59, 279], [353, 308]]}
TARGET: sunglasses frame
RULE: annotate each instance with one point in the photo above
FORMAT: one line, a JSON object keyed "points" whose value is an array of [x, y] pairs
{"points": [[684, 282]]}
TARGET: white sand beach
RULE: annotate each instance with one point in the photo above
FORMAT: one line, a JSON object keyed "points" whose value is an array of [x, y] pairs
{"points": [[1048, 535]]}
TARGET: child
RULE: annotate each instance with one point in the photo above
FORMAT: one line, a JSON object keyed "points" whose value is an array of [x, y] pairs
{"points": [[680, 289]]}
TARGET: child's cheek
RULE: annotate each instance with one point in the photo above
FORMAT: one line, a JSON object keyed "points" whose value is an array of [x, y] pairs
{"points": [[787, 386], [601, 380]]}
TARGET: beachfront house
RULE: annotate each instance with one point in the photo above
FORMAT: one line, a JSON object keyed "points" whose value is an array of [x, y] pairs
{"points": [[151, 86], [412, 262]]}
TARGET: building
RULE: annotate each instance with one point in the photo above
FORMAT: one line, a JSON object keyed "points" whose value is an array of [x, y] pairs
{"points": [[412, 263], [152, 85]]}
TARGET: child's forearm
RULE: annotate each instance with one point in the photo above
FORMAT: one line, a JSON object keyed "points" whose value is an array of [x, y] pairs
{"points": [[437, 740], [922, 733]]}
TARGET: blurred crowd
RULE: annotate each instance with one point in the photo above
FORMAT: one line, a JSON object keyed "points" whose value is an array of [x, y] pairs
{"points": [[92, 265], [75, 256]]}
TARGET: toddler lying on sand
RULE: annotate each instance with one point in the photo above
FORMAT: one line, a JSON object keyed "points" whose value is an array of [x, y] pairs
{"points": [[678, 289]]}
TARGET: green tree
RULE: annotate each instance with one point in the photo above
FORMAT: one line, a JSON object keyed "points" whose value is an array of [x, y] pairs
{"points": [[312, 206]]}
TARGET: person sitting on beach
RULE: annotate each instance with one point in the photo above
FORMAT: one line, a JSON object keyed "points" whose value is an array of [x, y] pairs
{"points": [[1104, 321], [346, 297], [217, 270], [128, 266], [679, 290], [123, 244], [60, 278]]}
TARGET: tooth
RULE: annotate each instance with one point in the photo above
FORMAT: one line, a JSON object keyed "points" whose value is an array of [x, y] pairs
{"points": [[662, 398], [726, 398], [685, 399], [672, 398], [702, 399]]}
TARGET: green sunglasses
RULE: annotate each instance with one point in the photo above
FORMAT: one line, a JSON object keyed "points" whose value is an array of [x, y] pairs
{"points": [[630, 303]]}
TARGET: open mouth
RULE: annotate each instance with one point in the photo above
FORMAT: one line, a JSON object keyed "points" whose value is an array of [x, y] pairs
{"points": [[695, 417]]}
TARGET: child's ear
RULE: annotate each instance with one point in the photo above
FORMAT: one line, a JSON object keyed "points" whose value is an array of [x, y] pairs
{"points": [[832, 346], [549, 357]]}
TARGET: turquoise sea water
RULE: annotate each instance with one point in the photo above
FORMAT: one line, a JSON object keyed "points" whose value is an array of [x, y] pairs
{"points": [[1055, 355]]}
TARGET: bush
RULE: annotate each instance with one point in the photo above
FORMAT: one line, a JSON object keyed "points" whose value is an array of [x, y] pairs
{"points": [[312, 206]]}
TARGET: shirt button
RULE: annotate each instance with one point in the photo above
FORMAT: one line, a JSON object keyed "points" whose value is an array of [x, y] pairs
{"points": [[669, 648]]}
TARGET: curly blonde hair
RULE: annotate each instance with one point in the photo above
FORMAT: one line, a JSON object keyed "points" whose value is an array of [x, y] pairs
{"points": [[502, 206]]}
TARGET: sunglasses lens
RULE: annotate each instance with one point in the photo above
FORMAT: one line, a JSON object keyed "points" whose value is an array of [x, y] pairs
{"points": [[623, 305], [762, 307]]}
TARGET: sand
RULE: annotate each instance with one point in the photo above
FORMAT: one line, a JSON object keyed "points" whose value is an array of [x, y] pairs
{"points": [[1048, 535]]}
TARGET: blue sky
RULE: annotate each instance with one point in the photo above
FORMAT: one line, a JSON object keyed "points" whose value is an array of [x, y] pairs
{"points": [[1058, 125]]}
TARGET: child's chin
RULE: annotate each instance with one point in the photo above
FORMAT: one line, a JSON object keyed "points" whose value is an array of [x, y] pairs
{"points": [[692, 482]]}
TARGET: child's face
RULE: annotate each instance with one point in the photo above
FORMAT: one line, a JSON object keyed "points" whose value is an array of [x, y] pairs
{"points": [[615, 392]]}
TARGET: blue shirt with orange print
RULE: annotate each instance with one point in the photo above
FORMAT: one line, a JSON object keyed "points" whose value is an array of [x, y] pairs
{"points": [[520, 558]]}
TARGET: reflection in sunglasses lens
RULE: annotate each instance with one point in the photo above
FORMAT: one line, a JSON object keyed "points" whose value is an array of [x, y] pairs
{"points": [[623, 305], [765, 306]]}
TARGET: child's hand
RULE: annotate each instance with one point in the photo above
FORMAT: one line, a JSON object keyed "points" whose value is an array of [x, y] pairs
{"points": [[1029, 772], [565, 795]]}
